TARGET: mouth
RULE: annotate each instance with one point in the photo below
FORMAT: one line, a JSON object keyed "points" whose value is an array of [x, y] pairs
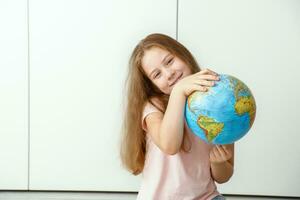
{"points": [[177, 79]]}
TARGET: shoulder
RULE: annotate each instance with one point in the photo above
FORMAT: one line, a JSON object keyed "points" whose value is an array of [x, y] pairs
{"points": [[153, 104], [152, 109]]}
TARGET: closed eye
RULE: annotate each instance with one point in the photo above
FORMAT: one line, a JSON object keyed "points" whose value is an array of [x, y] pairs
{"points": [[170, 61], [156, 75]]}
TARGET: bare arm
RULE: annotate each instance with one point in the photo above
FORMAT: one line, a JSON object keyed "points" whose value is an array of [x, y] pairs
{"points": [[167, 129], [172, 125]]}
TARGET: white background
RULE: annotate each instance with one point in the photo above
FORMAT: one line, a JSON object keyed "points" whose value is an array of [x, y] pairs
{"points": [[62, 71]]}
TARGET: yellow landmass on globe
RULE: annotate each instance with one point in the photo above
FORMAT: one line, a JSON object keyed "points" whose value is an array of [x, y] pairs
{"points": [[210, 127], [243, 103], [238, 88], [246, 104]]}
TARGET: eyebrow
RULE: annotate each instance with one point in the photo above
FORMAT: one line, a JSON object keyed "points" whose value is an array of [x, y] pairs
{"points": [[161, 62]]}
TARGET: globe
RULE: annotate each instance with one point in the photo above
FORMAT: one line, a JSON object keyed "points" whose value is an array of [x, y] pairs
{"points": [[223, 114]]}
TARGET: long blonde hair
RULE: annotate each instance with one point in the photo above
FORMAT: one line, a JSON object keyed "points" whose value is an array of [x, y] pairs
{"points": [[139, 90]]}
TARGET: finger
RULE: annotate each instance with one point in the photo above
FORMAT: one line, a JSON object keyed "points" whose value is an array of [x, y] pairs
{"points": [[202, 89], [225, 149], [205, 71], [207, 77], [205, 83], [208, 71], [221, 152], [228, 153], [213, 72], [216, 152], [199, 88], [213, 154]]}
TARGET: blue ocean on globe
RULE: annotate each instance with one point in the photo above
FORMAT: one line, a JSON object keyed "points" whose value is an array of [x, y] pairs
{"points": [[224, 113]]}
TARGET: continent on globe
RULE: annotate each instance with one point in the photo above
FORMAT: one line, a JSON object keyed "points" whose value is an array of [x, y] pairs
{"points": [[246, 105], [210, 127]]}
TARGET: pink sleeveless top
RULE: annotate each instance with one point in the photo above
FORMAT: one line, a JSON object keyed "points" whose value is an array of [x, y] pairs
{"points": [[183, 176]]}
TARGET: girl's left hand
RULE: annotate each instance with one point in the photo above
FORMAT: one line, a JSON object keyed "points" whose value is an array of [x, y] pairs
{"points": [[220, 154]]}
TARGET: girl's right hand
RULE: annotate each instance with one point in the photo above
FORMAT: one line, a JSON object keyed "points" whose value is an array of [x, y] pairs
{"points": [[200, 81]]}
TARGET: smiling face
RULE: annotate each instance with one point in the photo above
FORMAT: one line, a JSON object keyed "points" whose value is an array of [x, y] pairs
{"points": [[163, 68]]}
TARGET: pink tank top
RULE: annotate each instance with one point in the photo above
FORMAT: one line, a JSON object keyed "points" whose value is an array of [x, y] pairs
{"points": [[183, 176]]}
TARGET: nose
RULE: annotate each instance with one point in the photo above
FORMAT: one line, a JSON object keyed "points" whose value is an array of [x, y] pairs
{"points": [[169, 73]]}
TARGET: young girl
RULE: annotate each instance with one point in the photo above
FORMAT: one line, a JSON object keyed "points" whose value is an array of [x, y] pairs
{"points": [[175, 164]]}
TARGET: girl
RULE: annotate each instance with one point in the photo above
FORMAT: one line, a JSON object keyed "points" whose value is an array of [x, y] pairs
{"points": [[175, 164]]}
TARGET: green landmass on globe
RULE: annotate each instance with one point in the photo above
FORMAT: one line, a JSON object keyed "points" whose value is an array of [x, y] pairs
{"points": [[210, 127]]}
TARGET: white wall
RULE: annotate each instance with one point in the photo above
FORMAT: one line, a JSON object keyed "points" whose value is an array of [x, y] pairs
{"points": [[78, 55], [14, 95]]}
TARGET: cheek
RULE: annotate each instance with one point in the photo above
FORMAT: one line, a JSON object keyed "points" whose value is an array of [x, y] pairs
{"points": [[181, 66], [186, 69], [156, 83], [161, 84]]}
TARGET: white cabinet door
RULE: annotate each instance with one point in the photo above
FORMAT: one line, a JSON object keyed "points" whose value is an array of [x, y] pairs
{"points": [[14, 95], [79, 51], [258, 42]]}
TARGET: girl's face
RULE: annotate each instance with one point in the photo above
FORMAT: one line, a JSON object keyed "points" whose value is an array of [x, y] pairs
{"points": [[163, 68]]}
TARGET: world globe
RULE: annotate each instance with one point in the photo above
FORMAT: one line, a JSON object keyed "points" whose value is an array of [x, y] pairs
{"points": [[223, 114]]}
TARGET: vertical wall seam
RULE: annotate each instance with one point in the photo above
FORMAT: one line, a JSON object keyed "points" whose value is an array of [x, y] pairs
{"points": [[28, 85], [177, 3]]}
